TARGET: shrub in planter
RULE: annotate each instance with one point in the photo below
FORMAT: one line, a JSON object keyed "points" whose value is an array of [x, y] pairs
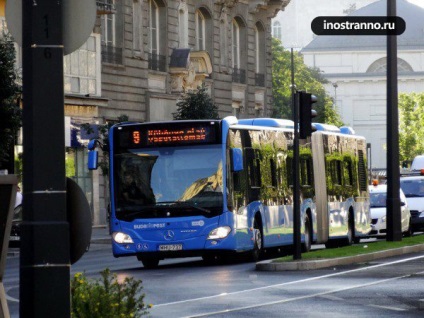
{"points": [[106, 297]]}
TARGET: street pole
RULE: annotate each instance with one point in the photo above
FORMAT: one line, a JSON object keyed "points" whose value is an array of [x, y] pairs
{"points": [[394, 231], [297, 255], [45, 256]]}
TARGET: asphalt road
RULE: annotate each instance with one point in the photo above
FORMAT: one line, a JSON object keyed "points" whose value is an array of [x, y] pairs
{"points": [[391, 287]]}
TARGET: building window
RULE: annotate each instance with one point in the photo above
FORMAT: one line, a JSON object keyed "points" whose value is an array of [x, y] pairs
{"points": [[204, 30], [260, 55], [236, 45], [183, 25], [157, 34], [276, 30], [200, 31], [154, 32], [112, 35], [380, 66], [239, 49], [81, 68], [137, 27]]}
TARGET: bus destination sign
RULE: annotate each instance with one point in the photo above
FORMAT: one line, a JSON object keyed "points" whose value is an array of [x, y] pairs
{"points": [[178, 134]]}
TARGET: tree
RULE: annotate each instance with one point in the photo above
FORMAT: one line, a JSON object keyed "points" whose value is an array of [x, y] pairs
{"points": [[306, 79], [10, 112], [196, 105], [411, 119]]}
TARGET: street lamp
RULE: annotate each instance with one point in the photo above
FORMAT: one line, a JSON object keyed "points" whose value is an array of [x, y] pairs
{"points": [[335, 94]]}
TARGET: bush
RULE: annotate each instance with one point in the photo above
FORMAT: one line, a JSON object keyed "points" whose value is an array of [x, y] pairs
{"points": [[106, 297]]}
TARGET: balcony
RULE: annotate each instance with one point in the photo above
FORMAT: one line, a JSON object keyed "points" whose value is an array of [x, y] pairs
{"points": [[260, 79], [239, 76], [105, 7], [111, 54], [157, 62]]}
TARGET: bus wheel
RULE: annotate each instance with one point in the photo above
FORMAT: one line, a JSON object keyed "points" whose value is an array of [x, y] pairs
{"points": [[210, 259], [350, 232], [149, 263], [306, 246], [258, 242]]}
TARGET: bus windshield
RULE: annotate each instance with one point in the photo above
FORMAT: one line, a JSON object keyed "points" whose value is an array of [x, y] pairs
{"points": [[166, 181]]}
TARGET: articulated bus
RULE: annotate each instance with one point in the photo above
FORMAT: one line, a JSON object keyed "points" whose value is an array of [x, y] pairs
{"points": [[214, 188]]}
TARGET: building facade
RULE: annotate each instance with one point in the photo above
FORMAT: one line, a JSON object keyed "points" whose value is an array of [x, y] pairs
{"points": [[356, 66], [144, 54]]}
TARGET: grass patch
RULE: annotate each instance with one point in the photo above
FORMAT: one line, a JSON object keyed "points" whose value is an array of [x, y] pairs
{"points": [[357, 249]]}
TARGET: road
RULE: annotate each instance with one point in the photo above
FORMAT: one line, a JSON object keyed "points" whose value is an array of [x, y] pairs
{"points": [[189, 288]]}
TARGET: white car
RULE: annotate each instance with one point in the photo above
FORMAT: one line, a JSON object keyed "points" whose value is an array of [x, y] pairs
{"points": [[413, 187], [378, 196]]}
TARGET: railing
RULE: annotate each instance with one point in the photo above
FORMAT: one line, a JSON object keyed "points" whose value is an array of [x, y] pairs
{"points": [[239, 76], [105, 7], [111, 54], [157, 62], [260, 79]]}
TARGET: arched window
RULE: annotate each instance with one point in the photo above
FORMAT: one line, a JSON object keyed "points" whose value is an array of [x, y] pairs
{"points": [[260, 54], [200, 31], [380, 66], [239, 50], [276, 30], [157, 35], [204, 30]]}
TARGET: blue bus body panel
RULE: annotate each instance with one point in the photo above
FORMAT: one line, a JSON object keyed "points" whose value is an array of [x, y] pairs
{"points": [[191, 232]]}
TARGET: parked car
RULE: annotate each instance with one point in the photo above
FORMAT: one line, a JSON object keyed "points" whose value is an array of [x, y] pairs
{"points": [[417, 163], [413, 188], [378, 197]]}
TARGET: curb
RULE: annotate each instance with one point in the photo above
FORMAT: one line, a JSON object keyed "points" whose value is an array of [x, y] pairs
{"points": [[273, 265]]}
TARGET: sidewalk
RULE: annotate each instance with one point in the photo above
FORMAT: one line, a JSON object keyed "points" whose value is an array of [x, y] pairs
{"points": [[100, 235]]}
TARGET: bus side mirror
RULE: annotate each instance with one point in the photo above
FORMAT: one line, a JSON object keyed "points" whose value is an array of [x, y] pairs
{"points": [[236, 160], [93, 160]]}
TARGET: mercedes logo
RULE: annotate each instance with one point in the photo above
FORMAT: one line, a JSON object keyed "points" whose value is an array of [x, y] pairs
{"points": [[169, 235]]}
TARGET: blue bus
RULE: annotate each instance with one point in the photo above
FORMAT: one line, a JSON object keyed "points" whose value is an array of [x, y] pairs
{"points": [[214, 188]]}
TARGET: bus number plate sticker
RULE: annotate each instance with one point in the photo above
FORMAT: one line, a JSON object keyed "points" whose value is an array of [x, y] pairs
{"points": [[171, 247]]}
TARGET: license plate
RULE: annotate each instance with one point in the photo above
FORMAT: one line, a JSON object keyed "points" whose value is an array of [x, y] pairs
{"points": [[171, 247], [14, 238]]}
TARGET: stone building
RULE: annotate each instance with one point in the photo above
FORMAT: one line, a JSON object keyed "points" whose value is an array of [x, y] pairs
{"points": [[143, 54]]}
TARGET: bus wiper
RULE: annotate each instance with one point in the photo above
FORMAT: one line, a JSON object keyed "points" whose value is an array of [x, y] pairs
{"points": [[193, 206], [179, 203]]}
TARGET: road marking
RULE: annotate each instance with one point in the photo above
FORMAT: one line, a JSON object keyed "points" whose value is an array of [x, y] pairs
{"points": [[294, 282], [295, 299], [388, 308]]}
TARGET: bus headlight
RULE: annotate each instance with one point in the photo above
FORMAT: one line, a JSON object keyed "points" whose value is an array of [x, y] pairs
{"points": [[219, 233], [122, 238]]}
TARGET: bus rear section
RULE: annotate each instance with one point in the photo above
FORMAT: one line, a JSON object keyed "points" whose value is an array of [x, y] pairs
{"points": [[342, 197]]}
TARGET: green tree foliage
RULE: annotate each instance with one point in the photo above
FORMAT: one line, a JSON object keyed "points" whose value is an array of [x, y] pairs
{"points": [[306, 79], [196, 105], [411, 121], [10, 113]]}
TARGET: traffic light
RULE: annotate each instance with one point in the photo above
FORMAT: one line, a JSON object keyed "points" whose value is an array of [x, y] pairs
{"points": [[306, 113]]}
